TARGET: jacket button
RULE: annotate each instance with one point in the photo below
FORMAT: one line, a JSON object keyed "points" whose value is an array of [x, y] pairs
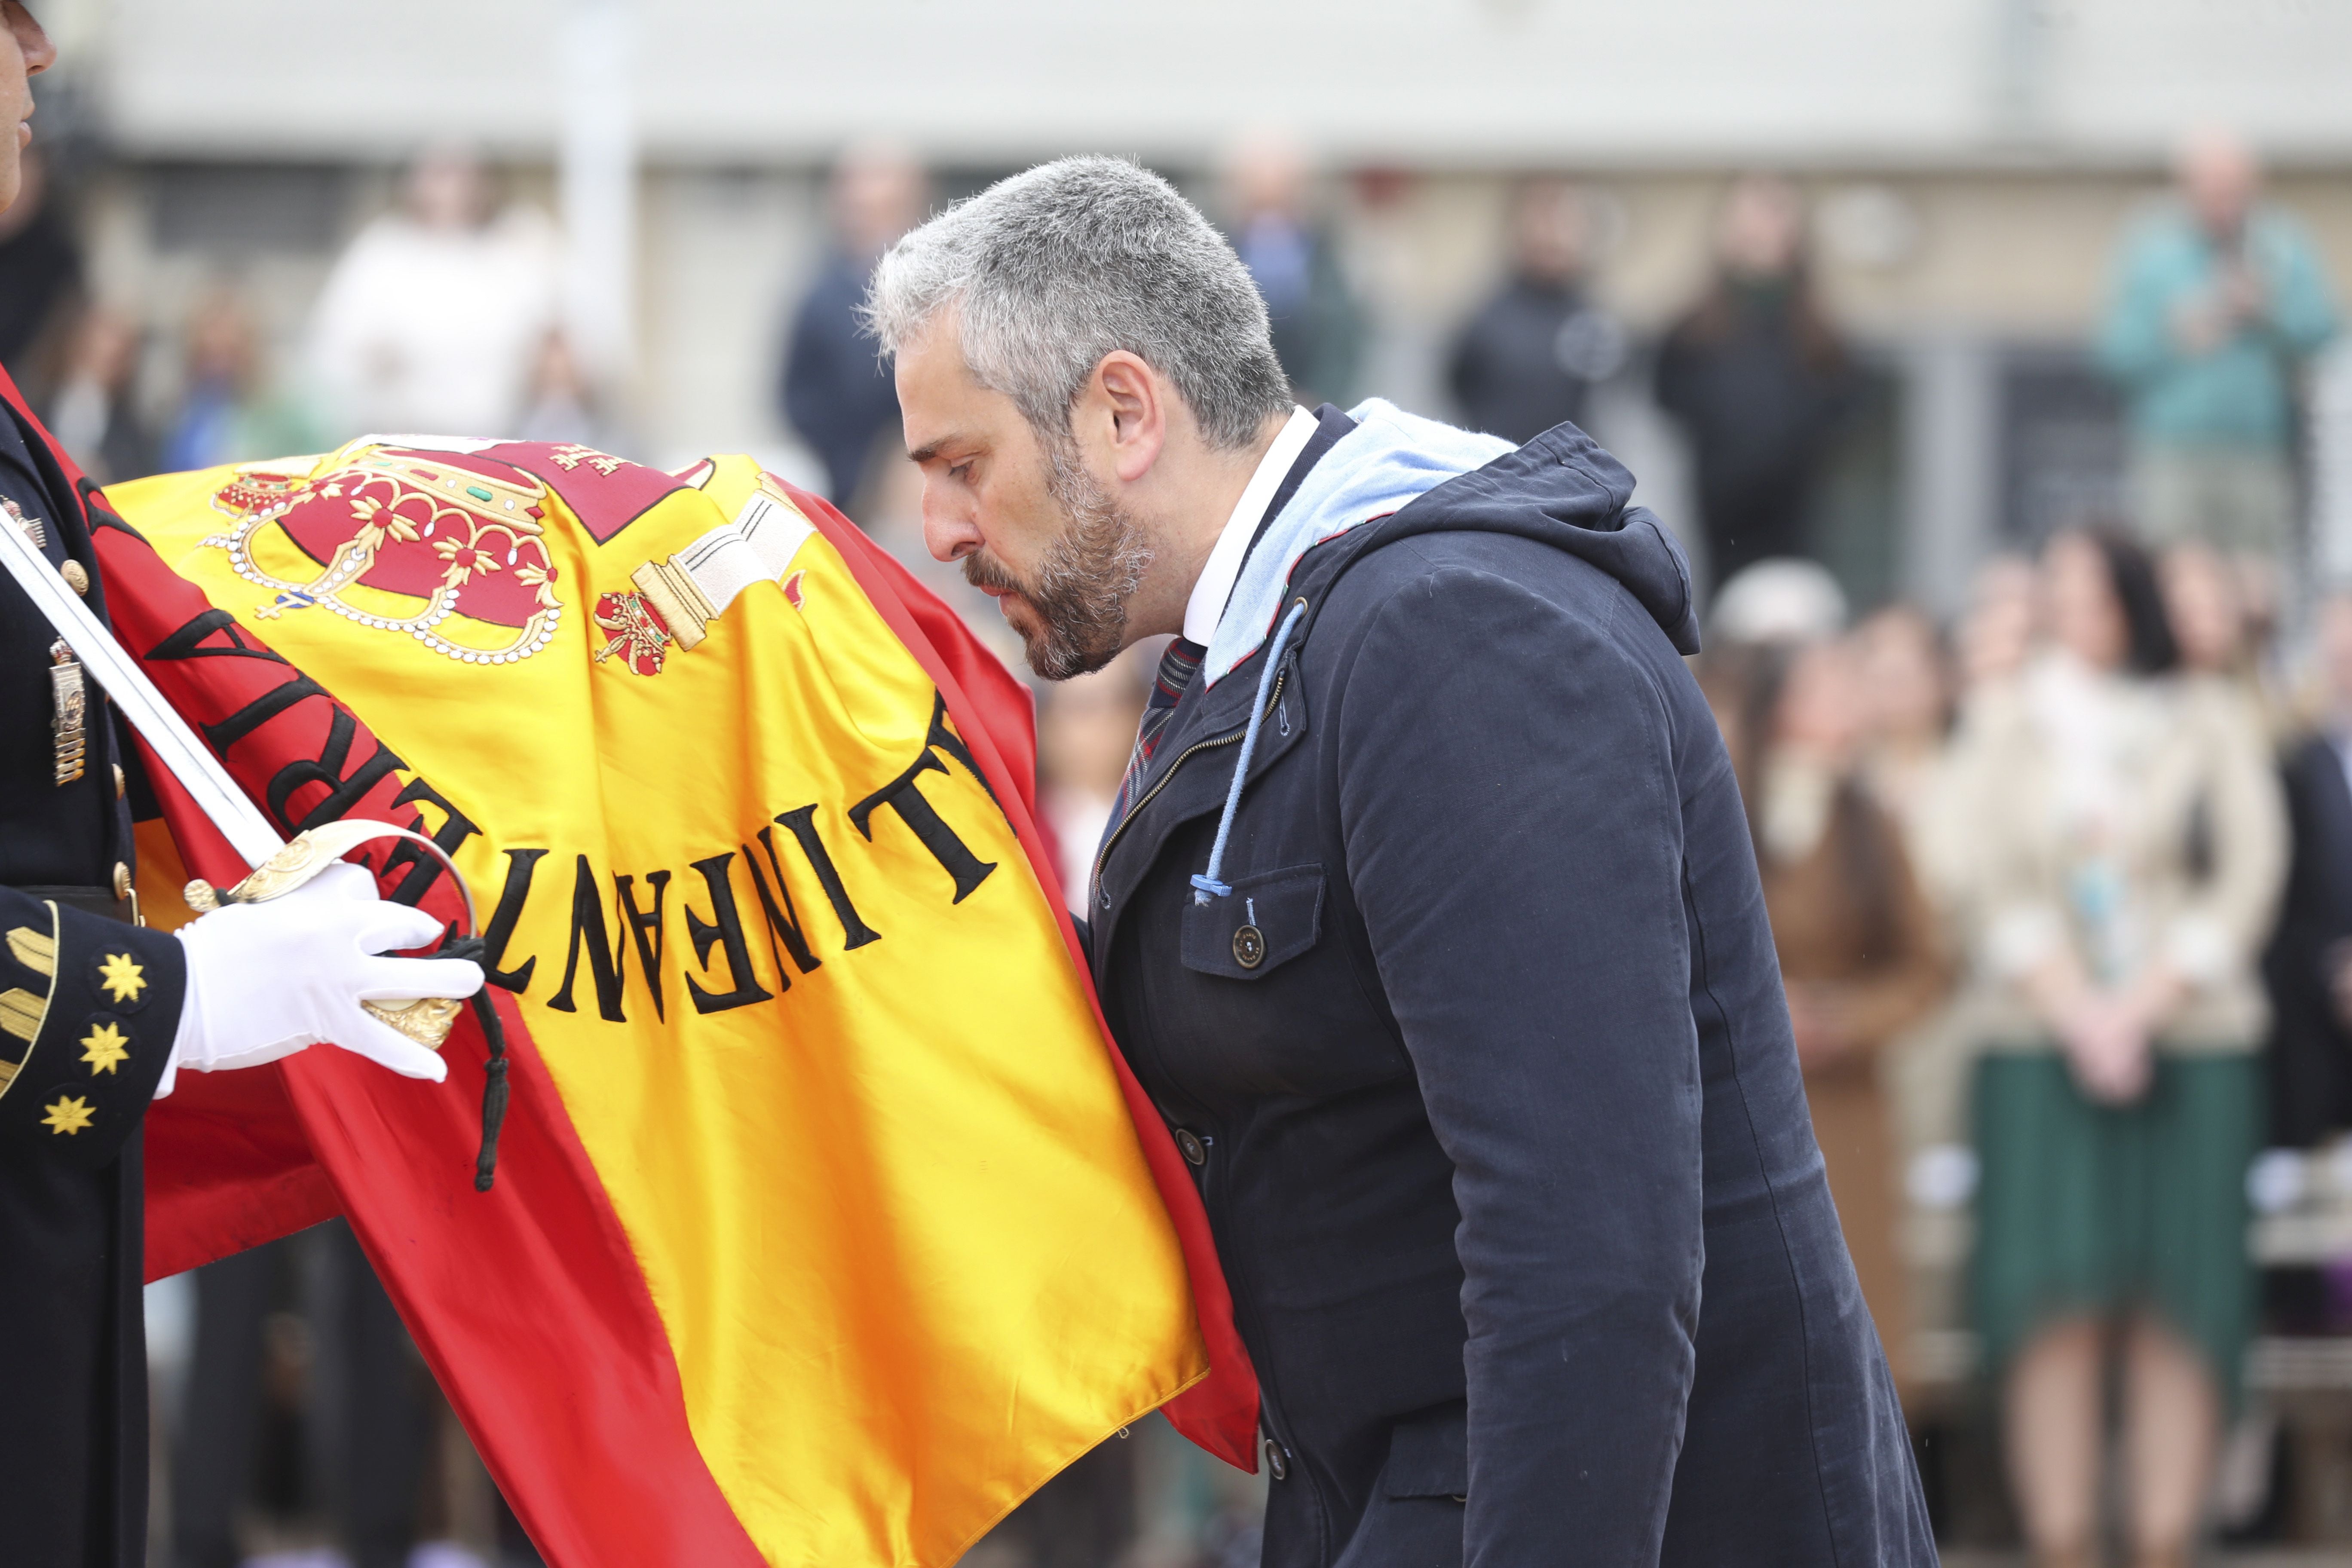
{"points": [[1193, 1150], [76, 578], [121, 783], [1249, 947], [1277, 1463], [121, 882]]}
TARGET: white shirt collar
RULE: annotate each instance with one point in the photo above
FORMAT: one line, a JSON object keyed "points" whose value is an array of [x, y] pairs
{"points": [[1224, 564]]}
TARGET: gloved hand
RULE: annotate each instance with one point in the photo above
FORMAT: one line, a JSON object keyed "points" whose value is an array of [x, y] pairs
{"points": [[266, 979]]}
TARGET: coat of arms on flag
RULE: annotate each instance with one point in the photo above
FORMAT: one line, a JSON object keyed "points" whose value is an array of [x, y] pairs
{"points": [[827, 1225]]}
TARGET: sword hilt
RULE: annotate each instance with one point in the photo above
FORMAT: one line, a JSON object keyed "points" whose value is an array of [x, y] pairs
{"points": [[426, 1020]]}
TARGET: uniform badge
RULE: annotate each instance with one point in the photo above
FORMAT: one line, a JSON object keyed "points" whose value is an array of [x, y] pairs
{"points": [[123, 977], [69, 712], [106, 1047], [32, 527]]}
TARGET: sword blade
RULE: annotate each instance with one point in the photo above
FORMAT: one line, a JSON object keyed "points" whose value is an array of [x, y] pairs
{"points": [[185, 756]]}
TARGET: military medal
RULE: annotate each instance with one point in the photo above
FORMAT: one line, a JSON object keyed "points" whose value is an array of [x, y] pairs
{"points": [[70, 706], [32, 527]]}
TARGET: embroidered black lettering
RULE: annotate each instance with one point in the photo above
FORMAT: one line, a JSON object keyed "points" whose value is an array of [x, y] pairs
{"points": [[901, 795], [520, 865], [606, 956], [342, 792], [100, 514], [186, 642], [259, 711], [726, 927], [639, 923], [802, 822], [784, 923], [425, 870], [948, 740]]}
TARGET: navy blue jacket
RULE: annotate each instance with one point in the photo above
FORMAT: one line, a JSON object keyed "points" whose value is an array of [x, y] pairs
{"points": [[1496, 1110]]}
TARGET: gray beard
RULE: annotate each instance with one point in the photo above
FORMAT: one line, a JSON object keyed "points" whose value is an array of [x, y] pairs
{"points": [[1080, 592]]}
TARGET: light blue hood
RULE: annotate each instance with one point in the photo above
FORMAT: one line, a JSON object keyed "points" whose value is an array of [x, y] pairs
{"points": [[1390, 460]]}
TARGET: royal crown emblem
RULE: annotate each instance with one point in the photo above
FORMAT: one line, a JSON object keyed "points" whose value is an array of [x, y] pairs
{"points": [[447, 548], [635, 632]]}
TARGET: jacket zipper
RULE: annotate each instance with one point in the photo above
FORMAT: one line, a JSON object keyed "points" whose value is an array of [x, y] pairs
{"points": [[1103, 855]]}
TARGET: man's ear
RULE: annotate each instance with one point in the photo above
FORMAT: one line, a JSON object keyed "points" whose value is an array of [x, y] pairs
{"points": [[1133, 406]]}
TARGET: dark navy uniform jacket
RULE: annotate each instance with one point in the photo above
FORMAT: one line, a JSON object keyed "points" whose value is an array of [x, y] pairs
{"points": [[1495, 1108], [89, 1004]]}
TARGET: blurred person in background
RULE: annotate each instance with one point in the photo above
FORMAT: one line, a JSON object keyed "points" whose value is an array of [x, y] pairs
{"points": [[2217, 303], [228, 412], [1758, 380], [1318, 325], [434, 317], [1528, 359], [2309, 963], [2125, 846], [1859, 954], [1782, 600], [40, 282], [2217, 615], [835, 392], [95, 415], [1909, 678], [360, 1406], [1906, 681], [2204, 604], [1929, 1070], [1996, 631], [561, 406], [1767, 604], [1086, 730], [1082, 1517]]}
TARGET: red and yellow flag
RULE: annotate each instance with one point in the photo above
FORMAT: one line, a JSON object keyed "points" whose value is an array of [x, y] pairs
{"points": [[826, 1226]]}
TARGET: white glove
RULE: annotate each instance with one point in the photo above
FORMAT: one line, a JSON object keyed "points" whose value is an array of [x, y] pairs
{"points": [[266, 979]]}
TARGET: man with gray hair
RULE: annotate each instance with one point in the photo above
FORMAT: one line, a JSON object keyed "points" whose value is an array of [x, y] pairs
{"points": [[1427, 916]]}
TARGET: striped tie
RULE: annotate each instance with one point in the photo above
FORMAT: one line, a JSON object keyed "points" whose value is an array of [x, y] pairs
{"points": [[1177, 667]]}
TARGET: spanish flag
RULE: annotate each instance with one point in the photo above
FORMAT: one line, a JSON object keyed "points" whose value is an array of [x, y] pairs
{"points": [[826, 1225]]}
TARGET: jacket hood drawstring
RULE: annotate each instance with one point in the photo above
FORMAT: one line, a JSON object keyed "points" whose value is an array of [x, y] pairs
{"points": [[1205, 885]]}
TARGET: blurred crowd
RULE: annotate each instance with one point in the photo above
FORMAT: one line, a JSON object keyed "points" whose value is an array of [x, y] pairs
{"points": [[440, 316], [2061, 887], [2025, 874]]}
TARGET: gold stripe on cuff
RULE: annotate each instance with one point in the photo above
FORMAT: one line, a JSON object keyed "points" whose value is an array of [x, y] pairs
{"points": [[21, 1013], [34, 951]]}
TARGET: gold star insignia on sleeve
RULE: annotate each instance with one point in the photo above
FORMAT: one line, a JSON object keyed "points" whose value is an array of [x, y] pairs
{"points": [[70, 1113], [105, 1049], [122, 976]]}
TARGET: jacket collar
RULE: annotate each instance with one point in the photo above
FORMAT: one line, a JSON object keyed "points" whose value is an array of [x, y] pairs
{"points": [[1193, 766]]}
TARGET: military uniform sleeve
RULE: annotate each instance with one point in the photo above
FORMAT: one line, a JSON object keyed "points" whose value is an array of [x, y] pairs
{"points": [[89, 1007]]}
